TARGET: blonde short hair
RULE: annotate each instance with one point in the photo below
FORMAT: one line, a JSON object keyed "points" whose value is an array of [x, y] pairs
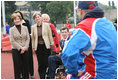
{"points": [[36, 13], [14, 15], [45, 15]]}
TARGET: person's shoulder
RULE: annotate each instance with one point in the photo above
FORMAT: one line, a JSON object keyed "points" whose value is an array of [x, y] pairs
{"points": [[61, 40], [12, 27], [7, 25], [46, 25], [25, 27], [26, 21], [52, 25], [34, 25], [43, 23], [84, 23]]}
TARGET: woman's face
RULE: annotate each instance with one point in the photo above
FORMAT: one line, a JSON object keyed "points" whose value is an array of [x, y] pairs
{"points": [[17, 21], [45, 19], [37, 18]]}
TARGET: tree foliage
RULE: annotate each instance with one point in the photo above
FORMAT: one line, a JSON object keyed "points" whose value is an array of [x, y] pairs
{"points": [[43, 6], [113, 5], [39, 5], [109, 3], [10, 7], [60, 10], [57, 10], [35, 5], [109, 6], [104, 7]]}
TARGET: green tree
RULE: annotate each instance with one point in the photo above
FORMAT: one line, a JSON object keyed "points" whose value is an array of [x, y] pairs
{"points": [[109, 3], [34, 4], [43, 6], [104, 7], [10, 7], [60, 10], [39, 5], [113, 5]]}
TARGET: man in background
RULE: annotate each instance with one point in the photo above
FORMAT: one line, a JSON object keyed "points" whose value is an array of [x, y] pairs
{"points": [[7, 28], [53, 60]]}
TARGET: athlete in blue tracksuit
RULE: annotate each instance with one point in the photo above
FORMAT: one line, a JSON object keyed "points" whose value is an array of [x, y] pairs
{"points": [[92, 48]]}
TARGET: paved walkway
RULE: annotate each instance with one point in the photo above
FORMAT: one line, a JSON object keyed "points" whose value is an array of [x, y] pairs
{"points": [[7, 71]]}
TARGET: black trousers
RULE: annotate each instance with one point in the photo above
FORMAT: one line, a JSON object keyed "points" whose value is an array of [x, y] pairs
{"points": [[42, 57], [31, 64], [20, 64], [53, 62]]}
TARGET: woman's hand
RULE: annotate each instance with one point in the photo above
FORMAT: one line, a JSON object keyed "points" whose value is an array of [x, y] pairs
{"points": [[23, 49], [33, 50], [22, 52]]}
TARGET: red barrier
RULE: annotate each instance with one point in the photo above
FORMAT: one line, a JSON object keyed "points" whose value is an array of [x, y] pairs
{"points": [[5, 43]]}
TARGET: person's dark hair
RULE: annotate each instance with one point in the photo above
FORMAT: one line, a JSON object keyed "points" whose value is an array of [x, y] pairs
{"points": [[19, 13], [63, 28]]}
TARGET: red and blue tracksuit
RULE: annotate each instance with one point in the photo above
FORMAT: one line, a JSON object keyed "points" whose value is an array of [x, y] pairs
{"points": [[92, 48]]}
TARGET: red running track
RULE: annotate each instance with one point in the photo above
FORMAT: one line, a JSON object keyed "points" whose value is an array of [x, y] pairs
{"points": [[7, 71]]}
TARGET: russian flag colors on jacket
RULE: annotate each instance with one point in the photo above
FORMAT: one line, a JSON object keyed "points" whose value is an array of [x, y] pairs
{"points": [[92, 48]]}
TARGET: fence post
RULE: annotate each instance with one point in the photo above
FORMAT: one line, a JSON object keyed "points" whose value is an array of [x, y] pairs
{"points": [[3, 15]]}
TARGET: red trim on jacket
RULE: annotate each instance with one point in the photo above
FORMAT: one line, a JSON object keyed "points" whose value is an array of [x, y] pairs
{"points": [[86, 25]]}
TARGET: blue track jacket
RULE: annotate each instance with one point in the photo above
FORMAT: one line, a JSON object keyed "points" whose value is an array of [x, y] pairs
{"points": [[92, 48]]}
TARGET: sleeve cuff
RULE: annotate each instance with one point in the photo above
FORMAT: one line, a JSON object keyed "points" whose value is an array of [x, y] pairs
{"points": [[75, 75], [83, 68]]}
